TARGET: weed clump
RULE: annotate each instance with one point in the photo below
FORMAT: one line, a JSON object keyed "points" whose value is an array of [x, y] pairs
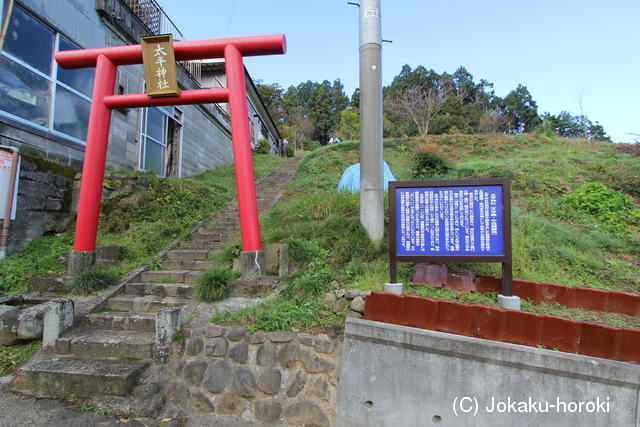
{"points": [[614, 210], [214, 284], [428, 165], [93, 280]]}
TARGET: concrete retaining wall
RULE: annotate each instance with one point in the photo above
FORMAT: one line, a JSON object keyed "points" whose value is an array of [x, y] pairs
{"points": [[401, 376]]}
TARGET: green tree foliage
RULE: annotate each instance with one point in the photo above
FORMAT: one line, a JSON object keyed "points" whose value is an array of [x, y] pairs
{"points": [[350, 123], [418, 102], [578, 126], [272, 97], [521, 109], [320, 103], [415, 97]]}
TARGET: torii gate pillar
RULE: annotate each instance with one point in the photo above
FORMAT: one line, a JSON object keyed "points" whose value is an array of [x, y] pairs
{"points": [[106, 61]]}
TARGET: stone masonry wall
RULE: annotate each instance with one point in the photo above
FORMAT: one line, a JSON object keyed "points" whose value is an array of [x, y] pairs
{"points": [[275, 378], [44, 201]]}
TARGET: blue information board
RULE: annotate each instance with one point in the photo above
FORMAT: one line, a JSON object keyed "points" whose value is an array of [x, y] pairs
{"points": [[465, 220]]}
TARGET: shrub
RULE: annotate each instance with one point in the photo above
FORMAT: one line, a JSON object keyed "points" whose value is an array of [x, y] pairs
{"points": [[214, 284], [291, 151], [93, 280], [611, 208], [300, 252], [427, 165], [264, 147]]}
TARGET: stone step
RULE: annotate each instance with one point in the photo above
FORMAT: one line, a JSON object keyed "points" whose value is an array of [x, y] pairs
{"points": [[164, 276], [146, 303], [212, 237], [65, 376], [228, 225], [122, 321], [192, 254], [218, 246], [187, 264], [229, 217], [159, 289], [214, 247], [218, 230], [190, 244], [100, 343]]}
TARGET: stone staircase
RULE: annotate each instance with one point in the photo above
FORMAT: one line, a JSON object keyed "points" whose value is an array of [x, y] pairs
{"points": [[108, 353]]}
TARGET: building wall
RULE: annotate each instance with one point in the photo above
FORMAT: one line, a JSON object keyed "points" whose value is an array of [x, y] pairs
{"points": [[204, 146], [215, 148]]}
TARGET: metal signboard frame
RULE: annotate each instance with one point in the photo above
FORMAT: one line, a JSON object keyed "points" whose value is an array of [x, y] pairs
{"points": [[497, 192]]}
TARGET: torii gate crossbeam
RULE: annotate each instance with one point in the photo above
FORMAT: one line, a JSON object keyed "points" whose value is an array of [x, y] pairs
{"points": [[106, 61]]}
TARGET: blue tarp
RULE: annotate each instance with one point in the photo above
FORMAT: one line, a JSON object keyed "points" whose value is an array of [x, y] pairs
{"points": [[350, 180]]}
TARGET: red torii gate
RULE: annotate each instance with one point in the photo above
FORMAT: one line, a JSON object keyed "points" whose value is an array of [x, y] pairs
{"points": [[106, 61]]}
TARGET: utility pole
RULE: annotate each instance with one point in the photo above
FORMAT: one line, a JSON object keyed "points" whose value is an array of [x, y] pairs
{"points": [[371, 182]]}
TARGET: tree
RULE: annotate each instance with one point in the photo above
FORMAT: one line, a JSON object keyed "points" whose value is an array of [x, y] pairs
{"points": [[301, 129], [271, 96], [355, 98], [321, 103], [350, 123], [493, 121], [521, 109], [574, 126], [418, 96]]}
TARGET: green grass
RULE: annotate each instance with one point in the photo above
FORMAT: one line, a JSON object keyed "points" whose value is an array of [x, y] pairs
{"points": [[39, 257], [553, 241], [283, 314], [12, 357], [214, 284], [93, 280], [168, 209]]}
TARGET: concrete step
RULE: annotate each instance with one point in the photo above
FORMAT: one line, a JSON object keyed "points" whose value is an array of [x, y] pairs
{"points": [[159, 289], [187, 265], [228, 225], [145, 304], [214, 247], [226, 217], [70, 376], [208, 229], [121, 321], [212, 237], [192, 254], [164, 276], [218, 246], [190, 244], [100, 343]]}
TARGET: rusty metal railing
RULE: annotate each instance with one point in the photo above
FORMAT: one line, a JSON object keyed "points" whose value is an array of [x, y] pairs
{"points": [[156, 21]]}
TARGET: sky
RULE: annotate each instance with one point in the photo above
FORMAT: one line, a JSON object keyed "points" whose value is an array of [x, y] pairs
{"points": [[581, 56]]}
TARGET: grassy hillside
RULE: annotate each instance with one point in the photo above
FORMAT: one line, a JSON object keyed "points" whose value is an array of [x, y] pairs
{"points": [[143, 221], [564, 231], [575, 220]]}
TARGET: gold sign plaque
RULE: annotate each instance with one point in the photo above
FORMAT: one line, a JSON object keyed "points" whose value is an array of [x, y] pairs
{"points": [[159, 65]]}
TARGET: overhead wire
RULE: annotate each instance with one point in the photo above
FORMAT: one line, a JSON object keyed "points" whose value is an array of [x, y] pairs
{"points": [[233, 11]]}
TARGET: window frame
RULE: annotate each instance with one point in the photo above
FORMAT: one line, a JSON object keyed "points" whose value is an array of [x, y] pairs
{"points": [[50, 128], [168, 113]]}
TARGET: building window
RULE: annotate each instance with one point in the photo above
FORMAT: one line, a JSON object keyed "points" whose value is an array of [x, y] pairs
{"points": [[160, 140], [33, 89]]}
